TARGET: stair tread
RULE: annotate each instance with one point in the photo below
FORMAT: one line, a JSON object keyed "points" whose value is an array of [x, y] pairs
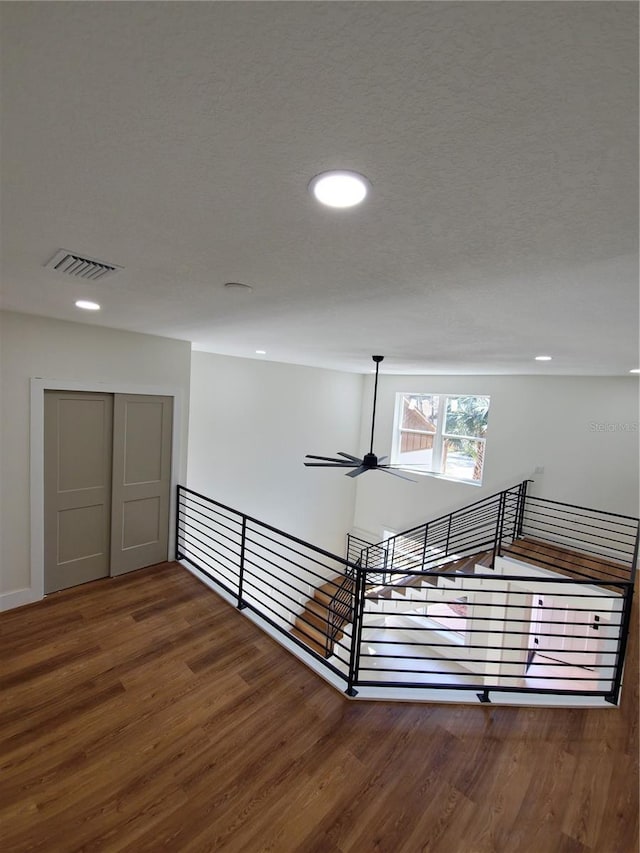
{"points": [[315, 646]]}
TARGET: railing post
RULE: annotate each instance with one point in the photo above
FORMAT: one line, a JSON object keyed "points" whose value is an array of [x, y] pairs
{"points": [[522, 501], [614, 696], [348, 555], [634, 558], [242, 604], [446, 547], [499, 524], [177, 551], [356, 630], [424, 547]]}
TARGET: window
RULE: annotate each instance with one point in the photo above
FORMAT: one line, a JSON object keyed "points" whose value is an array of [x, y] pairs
{"points": [[441, 434]]}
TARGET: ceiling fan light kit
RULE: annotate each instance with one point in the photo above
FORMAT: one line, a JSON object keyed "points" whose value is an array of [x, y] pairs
{"points": [[369, 462]]}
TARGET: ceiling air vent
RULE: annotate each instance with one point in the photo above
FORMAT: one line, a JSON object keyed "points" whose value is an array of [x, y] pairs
{"points": [[80, 266]]}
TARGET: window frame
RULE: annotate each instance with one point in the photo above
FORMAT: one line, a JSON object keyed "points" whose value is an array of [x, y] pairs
{"points": [[439, 436]]}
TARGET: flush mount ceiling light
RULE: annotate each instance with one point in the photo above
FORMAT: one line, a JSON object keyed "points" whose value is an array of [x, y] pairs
{"points": [[339, 189], [635, 370], [86, 305], [544, 358], [261, 352]]}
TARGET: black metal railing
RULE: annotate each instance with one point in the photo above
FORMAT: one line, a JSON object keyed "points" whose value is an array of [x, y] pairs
{"points": [[270, 572], [496, 633], [487, 524], [553, 617], [340, 611], [586, 542]]}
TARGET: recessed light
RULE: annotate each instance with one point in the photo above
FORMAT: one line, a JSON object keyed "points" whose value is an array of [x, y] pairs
{"points": [[87, 305], [339, 189], [635, 370], [261, 352], [238, 287], [543, 358]]}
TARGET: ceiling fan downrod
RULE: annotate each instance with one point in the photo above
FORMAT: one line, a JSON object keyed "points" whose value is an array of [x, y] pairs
{"points": [[370, 459]]}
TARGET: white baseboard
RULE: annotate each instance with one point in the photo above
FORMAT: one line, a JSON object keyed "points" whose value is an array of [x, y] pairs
{"points": [[17, 598]]}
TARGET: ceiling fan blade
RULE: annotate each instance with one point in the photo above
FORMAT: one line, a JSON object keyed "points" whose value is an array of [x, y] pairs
{"points": [[326, 458], [358, 471], [349, 456], [329, 464], [381, 459], [386, 470]]}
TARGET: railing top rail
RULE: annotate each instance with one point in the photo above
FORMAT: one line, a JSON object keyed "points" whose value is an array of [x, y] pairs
{"points": [[342, 560]]}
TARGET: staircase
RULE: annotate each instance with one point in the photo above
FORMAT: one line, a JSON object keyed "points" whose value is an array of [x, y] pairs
{"points": [[311, 626]]}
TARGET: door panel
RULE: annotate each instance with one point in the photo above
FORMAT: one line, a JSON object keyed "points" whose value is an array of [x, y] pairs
{"points": [[77, 484], [141, 481]]}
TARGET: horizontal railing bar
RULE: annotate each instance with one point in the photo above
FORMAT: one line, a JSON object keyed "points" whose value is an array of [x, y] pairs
{"points": [[449, 645], [203, 546], [278, 566], [248, 577], [211, 532], [469, 508], [246, 600], [289, 536], [478, 576], [578, 535], [473, 675], [534, 499], [190, 511], [475, 618], [626, 534], [444, 629], [283, 566], [491, 661], [479, 686], [588, 533], [213, 527], [282, 544], [206, 546], [288, 559], [422, 602], [191, 501]]}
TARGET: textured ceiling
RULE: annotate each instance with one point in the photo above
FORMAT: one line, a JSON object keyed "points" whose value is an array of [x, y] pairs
{"points": [[177, 140]]}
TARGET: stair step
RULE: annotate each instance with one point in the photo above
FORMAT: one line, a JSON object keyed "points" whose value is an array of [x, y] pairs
{"points": [[311, 619], [310, 632], [311, 625], [309, 642], [312, 605]]}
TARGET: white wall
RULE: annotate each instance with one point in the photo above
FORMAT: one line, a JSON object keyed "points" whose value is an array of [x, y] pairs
{"points": [[104, 359], [534, 421], [250, 425]]}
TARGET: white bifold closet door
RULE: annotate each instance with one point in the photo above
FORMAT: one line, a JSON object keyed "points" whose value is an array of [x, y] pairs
{"points": [[107, 484]]}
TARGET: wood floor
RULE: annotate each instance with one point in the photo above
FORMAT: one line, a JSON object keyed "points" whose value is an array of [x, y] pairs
{"points": [[145, 714]]}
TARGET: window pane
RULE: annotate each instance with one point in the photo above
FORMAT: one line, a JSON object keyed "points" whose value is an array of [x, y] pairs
{"points": [[420, 412], [418, 425], [463, 459], [467, 416]]}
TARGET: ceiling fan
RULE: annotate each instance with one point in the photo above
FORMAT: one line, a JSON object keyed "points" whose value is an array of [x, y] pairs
{"points": [[369, 462]]}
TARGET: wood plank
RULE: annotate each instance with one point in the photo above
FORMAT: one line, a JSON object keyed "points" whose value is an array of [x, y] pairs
{"points": [[183, 727]]}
